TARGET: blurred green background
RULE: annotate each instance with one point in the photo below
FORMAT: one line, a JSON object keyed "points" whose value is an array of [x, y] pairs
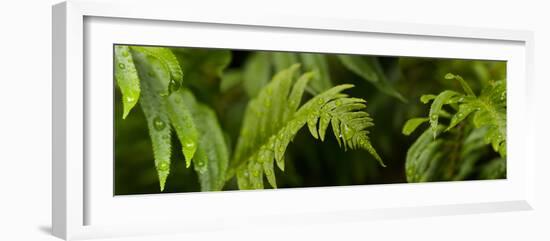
{"points": [[310, 162]]}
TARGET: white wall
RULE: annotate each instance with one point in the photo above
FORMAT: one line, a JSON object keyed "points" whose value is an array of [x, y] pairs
{"points": [[25, 121]]}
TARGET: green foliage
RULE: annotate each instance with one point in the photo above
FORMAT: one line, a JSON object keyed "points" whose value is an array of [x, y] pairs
{"points": [[369, 69], [166, 105], [431, 154], [212, 155], [236, 114], [273, 118], [127, 79], [163, 76]]}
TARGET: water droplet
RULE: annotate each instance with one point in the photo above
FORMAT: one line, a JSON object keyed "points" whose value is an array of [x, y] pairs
{"points": [[121, 66], [338, 102], [434, 117], [321, 101], [188, 144], [461, 99], [163, 166], [348, 132], [173, 85], [268, 172], [256, 173], [292, 103], [130, 99], [200, 163], [245, 174], [159, 124], [460, 115], [125, 53]]}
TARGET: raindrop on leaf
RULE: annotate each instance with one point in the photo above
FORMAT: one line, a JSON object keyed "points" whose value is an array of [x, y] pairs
{"points": [[159, 124], [163, 166]]}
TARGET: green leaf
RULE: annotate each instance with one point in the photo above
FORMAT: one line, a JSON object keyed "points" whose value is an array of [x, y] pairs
{"points": [[436, 106], [424, 157], [463, 83], [495, 169], [412, 124], [230, 79], [282, 60], [257, 71], [170, 62], [182, 120], [127, 78], [273, 118], [318, 64], [212, 154], [368, 68], [155, 112], [427, 98]]}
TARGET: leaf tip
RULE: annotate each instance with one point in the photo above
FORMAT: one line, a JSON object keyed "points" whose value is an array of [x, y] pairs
{"points": [[449, 76]]}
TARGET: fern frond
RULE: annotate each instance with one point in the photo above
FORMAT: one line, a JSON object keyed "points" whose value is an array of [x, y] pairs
{"points": [[163, 112], [488, 110], [256, 73], [127, 78], [154, 109], [318, 64], [273, 118], [170, 62], [212, 156], [452, 158], [487, 126]]}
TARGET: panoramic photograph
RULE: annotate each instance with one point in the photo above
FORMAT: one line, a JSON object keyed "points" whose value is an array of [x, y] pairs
{"points": [[192, 119]]}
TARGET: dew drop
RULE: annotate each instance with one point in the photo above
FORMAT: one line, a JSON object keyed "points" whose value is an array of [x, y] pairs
{"points": [[460, 115], [256, 173], [268, 172], [200, 163], [434, 117], [188, 144], [159, 124], [121, 66], [338, 102], [125, 53], [245, 174], [130, 99], [163, 166], [461, 99], [173, 86], [321, 101], [347, 131]]}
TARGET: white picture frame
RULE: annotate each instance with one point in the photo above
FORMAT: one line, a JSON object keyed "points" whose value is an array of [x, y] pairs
{"points": [[84, 206]]}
